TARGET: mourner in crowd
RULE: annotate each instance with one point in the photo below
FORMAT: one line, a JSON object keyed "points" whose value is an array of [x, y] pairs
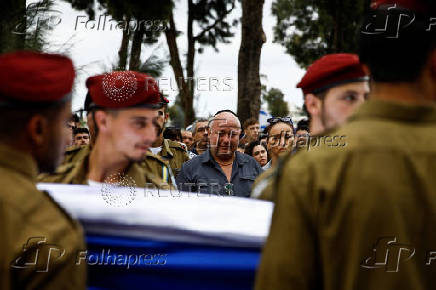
{"points": [[221, 170]]}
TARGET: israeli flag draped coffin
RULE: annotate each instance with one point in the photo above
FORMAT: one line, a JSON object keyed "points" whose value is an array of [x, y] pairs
{"points": [[148, 239]]}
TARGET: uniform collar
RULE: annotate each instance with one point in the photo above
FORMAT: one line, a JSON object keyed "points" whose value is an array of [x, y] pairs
{"points": [[380, 109], [166, 151], [18, 161], [80, 172]]}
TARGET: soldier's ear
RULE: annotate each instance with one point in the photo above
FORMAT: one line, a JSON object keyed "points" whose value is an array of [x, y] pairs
{"points": [[313, 105], [38, 129], [101, 120]]}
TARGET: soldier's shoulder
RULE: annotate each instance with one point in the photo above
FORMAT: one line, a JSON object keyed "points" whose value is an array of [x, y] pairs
{"points": [[176, 145], [157, 181], [150, 157], [74, 148], [59, 174]]}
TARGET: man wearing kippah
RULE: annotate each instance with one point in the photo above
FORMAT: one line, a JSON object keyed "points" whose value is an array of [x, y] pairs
{"points": [[363, 216], [333, 87], [123, 111], [39, 240]]}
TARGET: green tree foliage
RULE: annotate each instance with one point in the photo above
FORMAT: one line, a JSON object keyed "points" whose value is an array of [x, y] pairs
{"points": [[275, 99], [310, 29]]}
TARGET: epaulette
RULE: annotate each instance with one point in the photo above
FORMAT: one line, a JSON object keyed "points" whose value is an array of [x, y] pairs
{"points": [[175, 144], [73, 148], [60, 172]]}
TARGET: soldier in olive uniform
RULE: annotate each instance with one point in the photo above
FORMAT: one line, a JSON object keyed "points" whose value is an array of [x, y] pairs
{"points": [[363, 216], [334, 87], [171, 151], [125, 127], [39, 240]]}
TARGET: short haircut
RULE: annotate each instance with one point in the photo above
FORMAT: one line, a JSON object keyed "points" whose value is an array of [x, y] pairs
{"points": [[172, 133], [80, 130], [249, 122], [250, 147], [400, 58], [303, 125], [194, 126]]}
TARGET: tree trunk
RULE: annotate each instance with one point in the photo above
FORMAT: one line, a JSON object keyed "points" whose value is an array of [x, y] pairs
{"points": [[135, 53], [12, 25], [186, 99], [191, 51], [122, 52], [253, 37]]}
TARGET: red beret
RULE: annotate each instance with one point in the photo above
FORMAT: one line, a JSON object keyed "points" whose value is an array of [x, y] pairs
{"points": [[123, 89], [332, 70], [414, 5], [31, 77]]}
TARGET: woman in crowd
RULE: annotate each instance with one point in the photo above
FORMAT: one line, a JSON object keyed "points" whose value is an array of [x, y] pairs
{"points": [[280, 138], [258, 151]]}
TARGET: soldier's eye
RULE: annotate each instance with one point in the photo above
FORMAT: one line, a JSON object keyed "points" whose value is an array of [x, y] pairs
{"points": [[350, 97]]}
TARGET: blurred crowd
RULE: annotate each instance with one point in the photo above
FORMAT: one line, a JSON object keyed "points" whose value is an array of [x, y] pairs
{"points": [[351, 184]]}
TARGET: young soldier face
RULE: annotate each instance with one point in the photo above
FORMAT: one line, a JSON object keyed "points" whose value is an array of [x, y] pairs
{"points": [[81, 139], [162, 117], [56, 136], [130, 132], [340, 103]]}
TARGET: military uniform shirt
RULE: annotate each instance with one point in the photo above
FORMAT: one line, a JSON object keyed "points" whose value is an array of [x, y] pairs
{"points": [[28, 217], [343, 214]]}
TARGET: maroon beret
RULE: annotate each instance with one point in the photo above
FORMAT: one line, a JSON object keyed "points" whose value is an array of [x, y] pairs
{"points": [[414, 5], [332, 70], [123, 89], [31, 77]]}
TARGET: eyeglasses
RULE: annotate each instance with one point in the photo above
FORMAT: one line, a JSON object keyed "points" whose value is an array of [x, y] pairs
{"points": [[280, 119]]}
